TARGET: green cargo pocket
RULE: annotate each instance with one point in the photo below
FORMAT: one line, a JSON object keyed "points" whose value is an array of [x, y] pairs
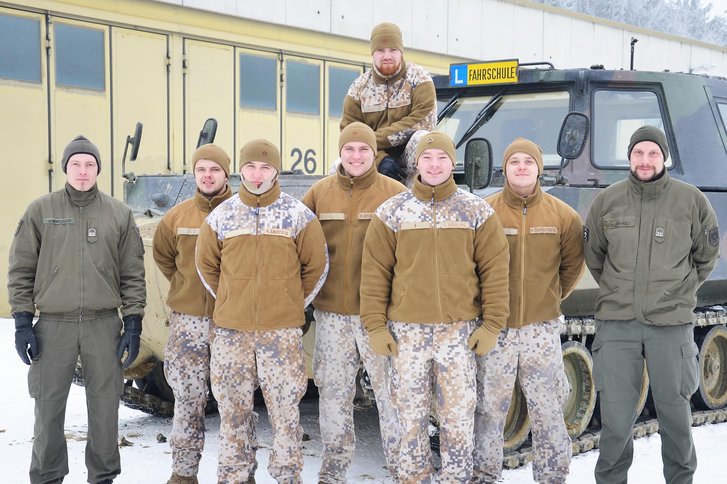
{"points": [[690, 369], [34, 380], [596, 348]]}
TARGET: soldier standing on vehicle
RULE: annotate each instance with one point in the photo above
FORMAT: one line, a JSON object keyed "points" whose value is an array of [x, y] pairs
{"points": [[396, 99], [546, 261], [435, 262], [187, 353], [77, 258], [650, 242], [262, 254], [344, 203]]}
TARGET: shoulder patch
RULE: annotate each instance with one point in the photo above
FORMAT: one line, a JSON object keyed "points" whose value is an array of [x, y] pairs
{"points": [[714, 237], [585, 233], [17, 229]]}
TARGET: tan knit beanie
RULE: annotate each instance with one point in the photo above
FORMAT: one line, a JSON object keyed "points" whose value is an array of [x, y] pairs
{"points": [[260, 150], [357, 132], [386, 35], [213, 153], [522, 145], [437, 140]]}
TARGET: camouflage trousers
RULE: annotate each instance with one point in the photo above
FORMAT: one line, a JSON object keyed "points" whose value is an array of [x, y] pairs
{"points": [[342, 343], [434, 361], [187, 369], [239, 360], [532, 354]]}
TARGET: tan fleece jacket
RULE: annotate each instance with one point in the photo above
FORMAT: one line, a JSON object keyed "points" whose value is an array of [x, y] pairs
{"points": [[345, 205], [545, 236], [435, 255], [173, 249]]}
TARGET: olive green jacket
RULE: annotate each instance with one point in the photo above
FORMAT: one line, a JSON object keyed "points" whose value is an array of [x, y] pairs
{"points": [[650, 246], [77, 251], [345, 205], [174, 243], [435, 255]]}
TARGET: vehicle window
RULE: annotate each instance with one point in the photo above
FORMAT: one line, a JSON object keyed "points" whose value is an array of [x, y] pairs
{"points": [[19, 48], [302, 88], [258, 82], [535, 116], [723, 114], [80, 57], [616, 115], [339, 80]]}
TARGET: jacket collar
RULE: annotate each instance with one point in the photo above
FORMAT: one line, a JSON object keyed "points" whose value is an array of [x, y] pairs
{"points": [[514, 200], [441, 192], [348, 182], [650, 189], [208, 204], [382, 79], [263, 200], [81, 199]]}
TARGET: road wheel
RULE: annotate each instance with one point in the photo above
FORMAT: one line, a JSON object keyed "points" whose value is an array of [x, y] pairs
{"points": [[517, 423], [578, 408], [712, 393]]}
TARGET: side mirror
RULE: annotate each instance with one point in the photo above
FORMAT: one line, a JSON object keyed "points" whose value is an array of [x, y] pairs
{"points": [[209, 130], [477, 163], [135, 142], [573, 135]]}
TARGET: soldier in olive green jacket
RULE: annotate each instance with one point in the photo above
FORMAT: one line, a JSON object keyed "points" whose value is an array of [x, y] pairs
{"points": [[650, 242], [77, 258]]}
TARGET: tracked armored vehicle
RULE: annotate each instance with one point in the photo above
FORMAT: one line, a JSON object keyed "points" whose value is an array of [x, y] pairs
{"points": [[583, 119]]}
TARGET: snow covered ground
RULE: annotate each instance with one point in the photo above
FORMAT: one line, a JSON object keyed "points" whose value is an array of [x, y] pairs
{"points": [[149, 461]]}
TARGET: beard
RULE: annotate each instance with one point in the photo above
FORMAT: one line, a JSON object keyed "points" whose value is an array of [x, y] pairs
{"points": [[389, 69]]}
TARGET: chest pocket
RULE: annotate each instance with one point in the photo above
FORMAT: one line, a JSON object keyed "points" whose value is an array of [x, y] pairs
{"points": [[623, 242]]}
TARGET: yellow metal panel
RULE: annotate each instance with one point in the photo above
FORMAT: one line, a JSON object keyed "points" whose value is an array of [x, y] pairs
{"points": [[24, 154], [303, 133], [209, 93], [332, 123], [140, 94]]}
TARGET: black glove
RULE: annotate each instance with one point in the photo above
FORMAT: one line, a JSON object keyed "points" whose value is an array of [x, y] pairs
{"points": [[390, 167], [130, 339], [25, 340]]}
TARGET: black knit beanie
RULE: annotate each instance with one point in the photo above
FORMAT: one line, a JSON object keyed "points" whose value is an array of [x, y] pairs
{"points": [[81, 144]]}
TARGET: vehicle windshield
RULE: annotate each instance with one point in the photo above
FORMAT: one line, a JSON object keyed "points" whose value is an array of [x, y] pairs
{"points": [[535, 116]]}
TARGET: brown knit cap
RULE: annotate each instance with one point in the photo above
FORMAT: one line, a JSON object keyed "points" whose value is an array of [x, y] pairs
{"points": [[260, 150], [357, 132], [649, 133], [80, 144], [522, 145], [437, 140], [212, 153], [386, 35]]}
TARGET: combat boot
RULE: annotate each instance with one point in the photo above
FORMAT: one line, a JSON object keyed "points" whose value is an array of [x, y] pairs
{"points": [[177, 479]]}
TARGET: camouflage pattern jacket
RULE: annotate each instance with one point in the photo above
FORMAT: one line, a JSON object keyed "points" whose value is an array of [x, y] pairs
{"points": [[345, 206], [263, 258], [174, 243], [650, 246], [394, 107], [546, 253], [74, 252], [435, 255]]}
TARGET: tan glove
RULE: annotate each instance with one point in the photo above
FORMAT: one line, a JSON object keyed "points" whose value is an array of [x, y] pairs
{"points": [[382, 343], [482, 340]]}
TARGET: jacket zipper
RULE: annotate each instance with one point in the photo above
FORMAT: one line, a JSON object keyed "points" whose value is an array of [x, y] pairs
{"points": [[84, 231], [523, 225], [257, 271], [436, 255], [348, 247]]}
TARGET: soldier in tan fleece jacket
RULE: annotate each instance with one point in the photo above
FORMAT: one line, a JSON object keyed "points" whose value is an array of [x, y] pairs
{"points": [[546, 260], [345, 203], [262, 255], [187, 353], [434, 286]]}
